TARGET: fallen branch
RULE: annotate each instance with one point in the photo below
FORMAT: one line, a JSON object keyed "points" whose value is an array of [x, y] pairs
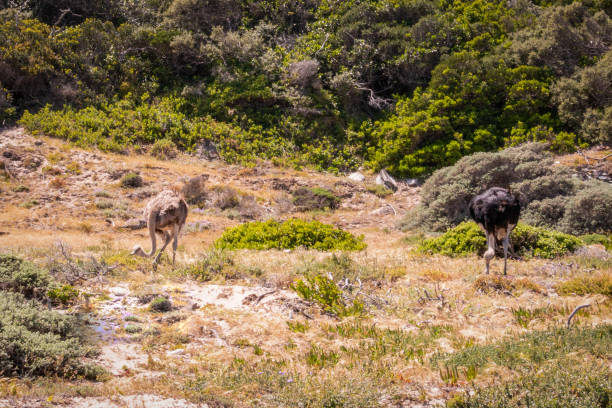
{"points": [[569, 319]]}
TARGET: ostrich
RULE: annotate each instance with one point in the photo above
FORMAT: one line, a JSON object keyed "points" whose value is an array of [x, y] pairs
{"points": [[496, 211], [167, 210]]}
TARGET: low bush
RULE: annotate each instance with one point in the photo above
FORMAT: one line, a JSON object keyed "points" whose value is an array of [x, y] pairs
{"points": [[63, 294], [164, 149], [550, 197], [160, 304], [289, 234], [194, 190], [216, 262], [467, 238], [35, 341], [601, 239], [131, 180], [22, 276], [326, 293], [598, 282], [308, 199]]}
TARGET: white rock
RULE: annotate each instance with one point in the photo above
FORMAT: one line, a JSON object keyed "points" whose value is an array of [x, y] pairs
{"points": [[385, 179], [176, 352], [119, 291], [356, 176]]}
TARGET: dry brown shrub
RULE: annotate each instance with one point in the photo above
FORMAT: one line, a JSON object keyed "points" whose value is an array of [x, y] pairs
{"points": [[58, 182]]}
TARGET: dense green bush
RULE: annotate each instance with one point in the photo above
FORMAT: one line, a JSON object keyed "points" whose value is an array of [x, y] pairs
{"points": [[591, 239], [407, 85], [289, 234], [467, 238], [306, 199], [22, 276], [35, 341], [550, 197]]}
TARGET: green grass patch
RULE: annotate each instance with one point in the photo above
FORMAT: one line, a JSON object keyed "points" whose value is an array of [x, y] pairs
{"points": [[467, 238], [535, 347], [325, 292], [289, 234]]}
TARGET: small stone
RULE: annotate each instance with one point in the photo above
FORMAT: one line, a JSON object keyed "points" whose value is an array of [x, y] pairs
{"points": [[119, 291], [176, 352], [412, 182]]}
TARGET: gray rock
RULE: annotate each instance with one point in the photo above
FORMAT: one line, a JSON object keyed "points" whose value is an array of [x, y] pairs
{"points": [[384, 210], [386, 180], [119, 291], [356, 176]]}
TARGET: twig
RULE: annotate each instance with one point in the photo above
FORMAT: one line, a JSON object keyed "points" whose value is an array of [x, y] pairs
{"points": [[569, 319]]}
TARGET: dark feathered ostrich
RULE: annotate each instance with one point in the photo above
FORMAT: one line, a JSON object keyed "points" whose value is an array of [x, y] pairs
{"points": [[496, 211]]}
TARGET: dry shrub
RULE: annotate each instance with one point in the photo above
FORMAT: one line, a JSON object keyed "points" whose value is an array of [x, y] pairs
{"points": [[493, 283], [164, 149], [528, 284], [226, 197], [58, 182], [307, 199], [587, 284], [194, 190]]}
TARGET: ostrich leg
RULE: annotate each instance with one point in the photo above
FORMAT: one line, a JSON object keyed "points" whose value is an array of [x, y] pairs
{"points": [[176, 229], [490, 253], [166, 242], [506, 244]]}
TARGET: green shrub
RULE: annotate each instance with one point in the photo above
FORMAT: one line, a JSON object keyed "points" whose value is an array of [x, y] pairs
{"points": [[591, 239], [467, 238], [550, 197], [326, 293], [63, 294], [307, 199], [597, 282], [131, 180], [216, 262], [22, 276], [35, 341], [164, 149], [160, 304], [289, 234]]}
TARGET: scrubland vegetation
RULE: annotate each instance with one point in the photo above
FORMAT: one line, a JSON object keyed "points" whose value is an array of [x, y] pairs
{"points": [[294, 287], [408, 85]]}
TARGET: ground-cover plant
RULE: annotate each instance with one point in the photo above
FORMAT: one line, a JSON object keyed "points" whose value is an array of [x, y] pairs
{"points": [[328, 295], [468, 238], [569, 384], [63, 294], [586, 284], [289, 234], [533, 348], [307, 199], [131, 180], [215, 263]]}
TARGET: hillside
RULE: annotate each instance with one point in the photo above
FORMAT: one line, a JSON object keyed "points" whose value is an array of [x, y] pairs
{"points": [[406, 85], [235, 333]]}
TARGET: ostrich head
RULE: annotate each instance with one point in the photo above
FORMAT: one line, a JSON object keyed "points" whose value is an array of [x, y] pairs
{"points": [[137, 250]]}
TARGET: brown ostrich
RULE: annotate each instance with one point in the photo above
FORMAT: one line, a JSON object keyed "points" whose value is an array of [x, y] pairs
{"points": [[166, 211]]}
